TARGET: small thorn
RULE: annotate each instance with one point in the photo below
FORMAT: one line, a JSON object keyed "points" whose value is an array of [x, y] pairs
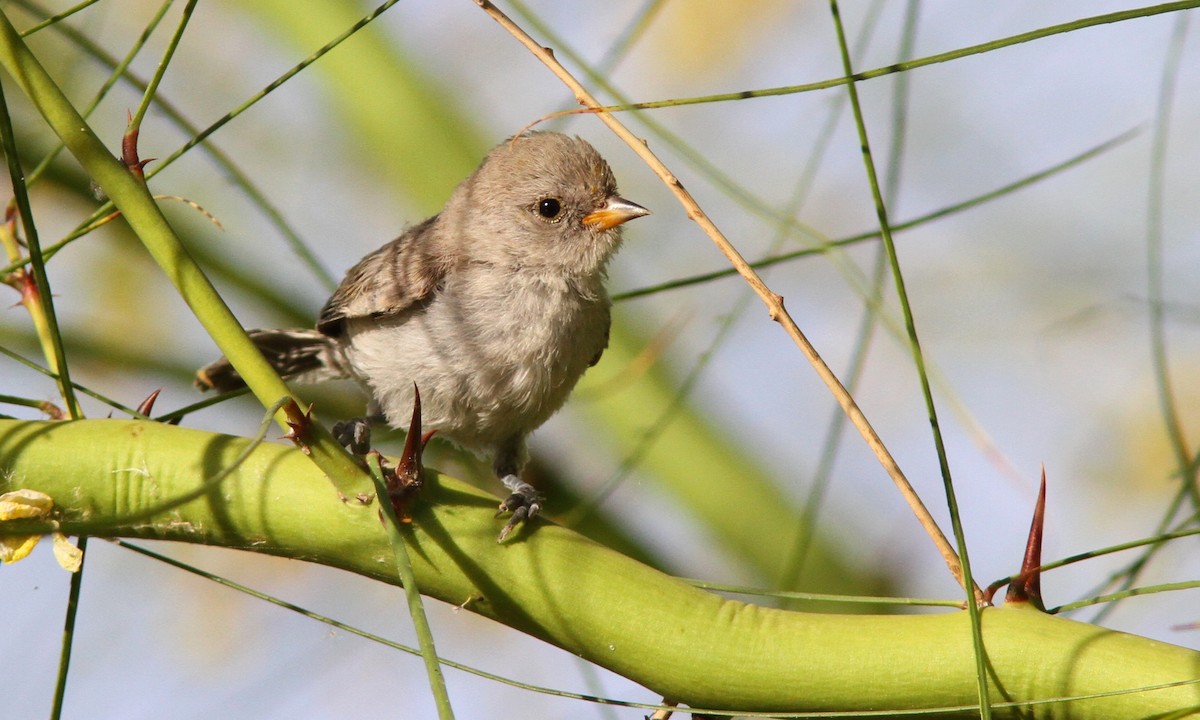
{"points": [[776, 311], [299, 424], [147, 405], [129, 150], [1027, 585]]}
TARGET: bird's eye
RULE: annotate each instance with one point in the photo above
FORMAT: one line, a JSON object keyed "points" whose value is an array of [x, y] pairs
{"points": [[549, 208]]}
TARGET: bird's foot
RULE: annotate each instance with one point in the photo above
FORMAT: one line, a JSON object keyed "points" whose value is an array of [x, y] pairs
{"points": [[524, 503], [354, 434]]}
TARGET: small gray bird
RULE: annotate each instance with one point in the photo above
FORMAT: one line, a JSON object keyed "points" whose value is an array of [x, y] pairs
{"points": [[493, 308]]}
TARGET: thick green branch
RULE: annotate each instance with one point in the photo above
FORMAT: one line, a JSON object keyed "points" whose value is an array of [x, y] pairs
{"points": [[687, 644]]}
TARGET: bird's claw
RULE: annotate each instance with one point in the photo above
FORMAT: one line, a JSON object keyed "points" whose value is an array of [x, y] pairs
{"points": [[524, 503], [354, 434]]}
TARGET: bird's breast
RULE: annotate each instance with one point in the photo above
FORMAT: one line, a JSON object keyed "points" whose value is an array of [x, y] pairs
{"points": [[494, 356]]}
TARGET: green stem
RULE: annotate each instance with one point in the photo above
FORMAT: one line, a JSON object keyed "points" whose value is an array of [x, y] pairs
{"points": [[967, 581], [1173, 423], [135, 122], [58, 17], [869, 235], [118, 69], [39, 301], [960, 53], [412, 592], [68, 641]]}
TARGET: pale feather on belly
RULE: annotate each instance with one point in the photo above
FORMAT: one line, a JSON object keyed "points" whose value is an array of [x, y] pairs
{"points": [[503, 374]]}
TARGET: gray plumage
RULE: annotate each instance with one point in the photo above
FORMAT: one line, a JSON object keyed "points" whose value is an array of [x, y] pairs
{"points": [[494, 307]]}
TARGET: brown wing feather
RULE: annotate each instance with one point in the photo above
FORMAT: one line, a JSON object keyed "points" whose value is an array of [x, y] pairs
{"points": [[389, 281]]}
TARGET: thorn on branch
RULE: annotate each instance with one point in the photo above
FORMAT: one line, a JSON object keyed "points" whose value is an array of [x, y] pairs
{"points": [[406, 481], [1026, 587], [129, 151], [776, 308], [147, 405], [21, 281], [299, 425]]}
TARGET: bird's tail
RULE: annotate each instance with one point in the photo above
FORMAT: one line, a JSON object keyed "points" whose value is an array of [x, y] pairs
{"points": [[305, 356]]}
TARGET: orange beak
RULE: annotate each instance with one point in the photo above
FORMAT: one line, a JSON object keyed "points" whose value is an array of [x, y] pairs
{"points": [[616, 210]]}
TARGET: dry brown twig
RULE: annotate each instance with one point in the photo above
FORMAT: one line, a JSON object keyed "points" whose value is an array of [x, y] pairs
{"points": [[772, 300]]}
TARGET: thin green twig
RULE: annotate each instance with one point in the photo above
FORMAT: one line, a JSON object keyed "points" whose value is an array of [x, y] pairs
{"points": [[822, 597], [338, 625], [39, 300], [915, 222], [1154, 541], [1173, 425], [148, 96], [53, 19], [1172, 422], [117, 71], [40, 304], [796, 559], [295, 243], [981, 663], [990, 46], [68, 640], [49, 408], [408, 580], [74, 385], [1131, 592], [146, 219], [271, 87], [693, 157], [633, 33]]}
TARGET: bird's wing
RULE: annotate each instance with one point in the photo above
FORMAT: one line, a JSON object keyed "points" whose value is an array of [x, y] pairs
{"points": [[387, 282]]}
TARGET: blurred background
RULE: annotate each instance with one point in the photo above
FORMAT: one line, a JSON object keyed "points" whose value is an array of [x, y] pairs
{"points": [[703, 443]]}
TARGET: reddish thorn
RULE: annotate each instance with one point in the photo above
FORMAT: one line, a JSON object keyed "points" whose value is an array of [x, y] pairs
{"points": [[409, 469], [129, 149], [409, 475], [147, 405], [299, 422], [24, 283], [1027, 585]]}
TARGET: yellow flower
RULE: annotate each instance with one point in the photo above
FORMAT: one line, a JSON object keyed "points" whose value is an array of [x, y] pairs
{"points": [[33, 505]]}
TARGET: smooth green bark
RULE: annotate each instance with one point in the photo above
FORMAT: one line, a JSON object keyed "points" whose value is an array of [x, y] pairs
{"points": [[689, 645]]}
